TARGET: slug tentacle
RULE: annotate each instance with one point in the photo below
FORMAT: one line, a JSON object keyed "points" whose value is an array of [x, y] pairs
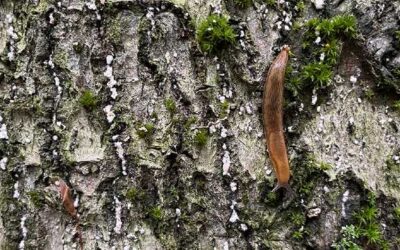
{"points": [[273, 119]]}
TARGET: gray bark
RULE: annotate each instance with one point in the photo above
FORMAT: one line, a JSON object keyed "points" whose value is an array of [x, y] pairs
{"points": [[159, 189]]}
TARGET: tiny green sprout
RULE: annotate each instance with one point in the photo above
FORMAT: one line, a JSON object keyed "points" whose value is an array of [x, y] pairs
{"points": [[270, 3], [300, 6], [297, 218], [156, 213], [170, 105], [215, 34], [298, 235], [189, 122], [318, 74], [397, 35], [350, 233], [134, 195], [345, 24], [369, 94], [331, 51], [224, 109], [325, 166], [373, 234], [397, 213], [296, 26], [36, 198], [243, 3], [201, 137], [88, 100], [396, 105], [146, 130]]}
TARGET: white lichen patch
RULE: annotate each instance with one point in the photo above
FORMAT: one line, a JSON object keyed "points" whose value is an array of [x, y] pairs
{"points": [[120, 153], [109, 113], [3, 163], [16, 191], [234, 215], [24, 232], [226, 162], [3, 130], [111, 80], [118, 216]]}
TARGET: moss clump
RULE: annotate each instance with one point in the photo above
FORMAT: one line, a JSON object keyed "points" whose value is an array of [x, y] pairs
{"points": [[189, 122], [397, 213], [349, 234], [170, 105], [396, 106], [298, 235], [61, 59], [243, 3], [270, 3], [224, 109], [366, 230], [297, 218], [134, 195], [317, 73], [36, 198], [341, 25], [156, 214], [145, 131], [88, 100], [215, 34], [300, 6], [201, 137], [114, 31], [321, 40]]}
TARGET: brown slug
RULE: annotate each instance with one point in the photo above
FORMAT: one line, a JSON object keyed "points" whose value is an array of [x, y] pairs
{"points": [[273, 119]]}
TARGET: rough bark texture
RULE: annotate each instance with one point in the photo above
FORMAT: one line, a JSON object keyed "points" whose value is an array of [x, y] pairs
{"points": [[140, 174]]}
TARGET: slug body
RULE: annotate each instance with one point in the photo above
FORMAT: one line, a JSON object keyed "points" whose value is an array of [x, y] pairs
{"points": [[273, 119]]}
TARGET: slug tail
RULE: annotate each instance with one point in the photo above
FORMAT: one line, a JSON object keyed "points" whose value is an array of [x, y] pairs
{"points": [[289, 190]]}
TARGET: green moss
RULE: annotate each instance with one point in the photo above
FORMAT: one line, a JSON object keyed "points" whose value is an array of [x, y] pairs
{"points": [[201, 137], [397, 37], [349, 234], [397, 213], [224, 109], [298, 235], [325, 166], [243, 3], [369, 93], [134, 195], [341, 25], [270, 3], [88, 100], [214, 34], [61, 59], [170, 105], [368, 225], [156, 214], [300, 6], [396, 106], [145, 131], [318, 74], [297, 218], [36, 198], [189, 122], [317, 70], [114, 31]]}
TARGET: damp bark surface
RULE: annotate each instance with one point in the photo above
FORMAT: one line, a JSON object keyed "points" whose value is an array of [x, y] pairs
{"points": [[162, 145]]}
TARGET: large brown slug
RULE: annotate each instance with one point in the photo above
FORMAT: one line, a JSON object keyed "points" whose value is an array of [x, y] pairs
{"points": [[273, 119]]}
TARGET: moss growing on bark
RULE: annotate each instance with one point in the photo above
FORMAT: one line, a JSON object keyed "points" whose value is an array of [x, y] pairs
{"points": [[88, 100], [215, 34]]}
